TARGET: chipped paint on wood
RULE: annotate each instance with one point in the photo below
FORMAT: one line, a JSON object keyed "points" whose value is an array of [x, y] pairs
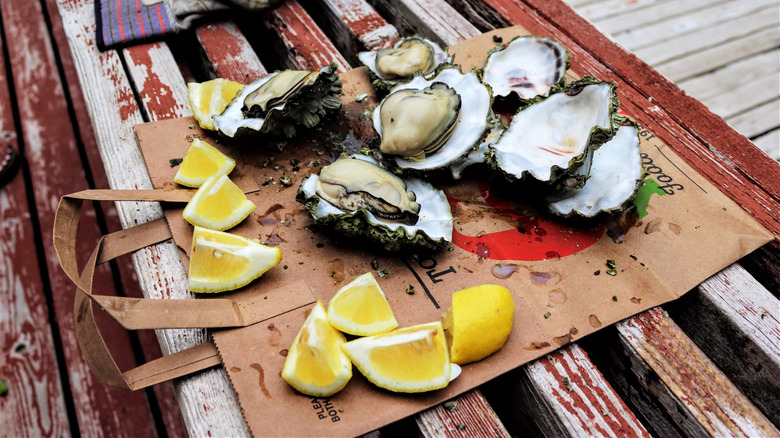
{"points": [[158, 80], [363, 22], [228, 53], [467, 415], [435, 19]]}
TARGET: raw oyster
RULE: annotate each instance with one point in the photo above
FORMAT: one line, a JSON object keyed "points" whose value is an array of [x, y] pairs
{"points": [[616, 173], [416, 123], [409, 55], [550, 139], [432, 225], [352, 184], [528, 66], [470, 128], [282, 103]]}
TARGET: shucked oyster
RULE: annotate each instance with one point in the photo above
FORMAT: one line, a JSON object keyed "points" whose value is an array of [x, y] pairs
{"points": [[528, 66], [447, 148], [551, 138], [351, 184], [351, 197], [416, 123], [281, 103], [408, 56], [616, 174]]}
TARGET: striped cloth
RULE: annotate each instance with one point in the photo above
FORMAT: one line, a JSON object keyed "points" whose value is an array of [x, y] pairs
{"points": [[124, 22]]}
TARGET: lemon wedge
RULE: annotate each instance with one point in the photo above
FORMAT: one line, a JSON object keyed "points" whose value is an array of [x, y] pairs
{"points": [[210, 98], [361, 309], [412, 359], [222, 261], [218, 204], [315, 364], [202, 161], [479, 322]]}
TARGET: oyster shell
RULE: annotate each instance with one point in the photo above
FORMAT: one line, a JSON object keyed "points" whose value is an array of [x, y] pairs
{"points": [[351, 184], [471, 126], [432, 229], [551, 138], [416, 123], [282, 103], [616, 173], [409, 55], [528, 66]]}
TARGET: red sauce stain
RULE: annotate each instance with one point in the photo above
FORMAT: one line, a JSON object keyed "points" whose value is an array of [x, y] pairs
{"points": [[276, 336], [261, 381], [235, 369], [271, 216], [521, 243], [565, 339], [284, 352]]}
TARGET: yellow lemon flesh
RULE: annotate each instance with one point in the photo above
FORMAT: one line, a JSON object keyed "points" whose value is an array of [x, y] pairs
{"points": [[315, 364], [210, 98], [222, 261], [218, 204], [479, 322], [361, 309], [202, 161], [412, 359]]}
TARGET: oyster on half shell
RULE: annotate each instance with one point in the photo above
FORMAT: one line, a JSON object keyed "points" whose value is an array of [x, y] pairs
{"points": [[350, 198], [282, 103], [550, 139], [416, 123], [408, 56]]}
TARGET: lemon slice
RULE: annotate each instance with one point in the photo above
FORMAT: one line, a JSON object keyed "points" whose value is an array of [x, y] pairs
{"points": [[202, 161], [361, 309], [315, 364], [412, 359], [210, 98], [479, 322], [222, 261], [218, 204]]}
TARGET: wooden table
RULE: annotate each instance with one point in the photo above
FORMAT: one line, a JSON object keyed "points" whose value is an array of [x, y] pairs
{"points": [[705, 365]]}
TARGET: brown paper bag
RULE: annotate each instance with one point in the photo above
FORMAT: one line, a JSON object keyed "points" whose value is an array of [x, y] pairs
{"points": [[557, 273]]}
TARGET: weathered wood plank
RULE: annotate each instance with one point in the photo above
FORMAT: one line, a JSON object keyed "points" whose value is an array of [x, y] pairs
{"points": [[680, 28], [353, 26], [654, 13], [164, 394], [736, 322], [50, 146], [732, 76], [693, 394], [745, 97], [763, 264], [750, 177], [769, 143], [434, 19], [756, 121], [207, 402], [34, 403], [564, 394], [710, 59], [704, 37], [301, 42], [467, 415], [227, 53], [608, 8]]}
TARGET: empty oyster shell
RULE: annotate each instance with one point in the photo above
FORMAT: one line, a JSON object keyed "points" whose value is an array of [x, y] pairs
{"points": [[551, 138], [418, 122], [282, 103], [528, 66], [616, 173], [432, 230], [409, 55], [351, 184], [469, 130]]}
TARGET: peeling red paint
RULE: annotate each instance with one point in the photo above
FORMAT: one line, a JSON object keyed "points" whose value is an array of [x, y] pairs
{"points": [[159, 97], [230, 53]]}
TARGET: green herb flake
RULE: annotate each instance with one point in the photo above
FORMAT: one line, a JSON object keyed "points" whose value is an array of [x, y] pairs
{"points": [[361, 97], [383, 273], [175, 161], [567, 383], [286, 181], [341, 410], [614, 297], [547, 315], [597, 272], [285, 266], [450, 405], [460, 426], [611, 264], [295, 162], [612, 272], [3, 387], [191, 126], [764, 314], [410, 290], [497, 39], [374, 264], [267, 181]]}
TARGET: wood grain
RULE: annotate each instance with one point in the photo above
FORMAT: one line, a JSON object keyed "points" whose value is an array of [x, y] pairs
{"points": [[227, 53], [434, 19], [467, 415]]}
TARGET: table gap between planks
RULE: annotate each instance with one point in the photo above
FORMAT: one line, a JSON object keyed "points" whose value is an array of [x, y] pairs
{"points": [[104, 94]]}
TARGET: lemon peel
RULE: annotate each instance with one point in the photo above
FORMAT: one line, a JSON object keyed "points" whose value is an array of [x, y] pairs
{"points": [[202, 161], [360, 308], [219, 204]]}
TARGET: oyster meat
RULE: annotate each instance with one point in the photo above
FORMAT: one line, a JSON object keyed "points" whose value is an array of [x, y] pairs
{"points": [[528, 66], [616, 173], [355, 197], [418, 122], [282, 103], [551, 138], [408, 56], [450, 144]]}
